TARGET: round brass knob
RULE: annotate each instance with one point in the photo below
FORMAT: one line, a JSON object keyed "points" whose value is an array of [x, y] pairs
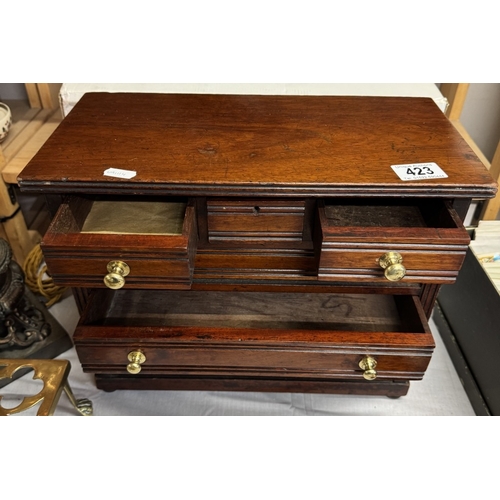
{"points": [[391, 262], [117, 270], [368, 365], [136, 359]]}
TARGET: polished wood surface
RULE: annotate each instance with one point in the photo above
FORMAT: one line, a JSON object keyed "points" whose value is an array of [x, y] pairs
{"points": [[224, 145], [389, 388]]}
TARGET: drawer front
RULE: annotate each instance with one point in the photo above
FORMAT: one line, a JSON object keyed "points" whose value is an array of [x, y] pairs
{"points": [[89, 271], [420, 266], [242, 360], [330, 337], [408, 242], [81, 258], [255, 220]]}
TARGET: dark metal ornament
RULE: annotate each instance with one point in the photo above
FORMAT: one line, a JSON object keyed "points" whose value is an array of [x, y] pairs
{"points": [[21, 322]]}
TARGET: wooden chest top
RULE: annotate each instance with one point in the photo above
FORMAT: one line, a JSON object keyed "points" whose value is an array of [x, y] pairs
{"points": [[232, 145]]}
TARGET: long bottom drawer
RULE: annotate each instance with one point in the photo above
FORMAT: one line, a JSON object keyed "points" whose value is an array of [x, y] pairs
{"points": [[273, 341]]}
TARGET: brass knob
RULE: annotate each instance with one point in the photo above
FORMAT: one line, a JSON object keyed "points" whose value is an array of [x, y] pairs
{"points": [[117, 270], [391, 262], [136, 359], [368, 365]]}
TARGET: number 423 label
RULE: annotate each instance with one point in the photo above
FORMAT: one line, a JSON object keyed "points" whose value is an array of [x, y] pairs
{"points": [[418, 171]]}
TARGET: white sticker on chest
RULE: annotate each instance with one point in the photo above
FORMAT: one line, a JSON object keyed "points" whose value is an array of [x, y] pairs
{"points": [[118, 172], [419, 171]]}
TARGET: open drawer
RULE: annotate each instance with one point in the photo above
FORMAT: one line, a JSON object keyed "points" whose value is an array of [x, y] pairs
{"points": [[254, 336], [409, 240], [131, 243]]}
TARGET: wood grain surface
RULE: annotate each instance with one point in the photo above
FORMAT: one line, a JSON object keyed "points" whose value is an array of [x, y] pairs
{"points": [[266, 145]]}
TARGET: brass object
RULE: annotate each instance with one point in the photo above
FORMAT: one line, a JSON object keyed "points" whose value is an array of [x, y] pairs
{"points": [[54, 375], [368, 365], [391, 262], [117, 270], [136, 359]]}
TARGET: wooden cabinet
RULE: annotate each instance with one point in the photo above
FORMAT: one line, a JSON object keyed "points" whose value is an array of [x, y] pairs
{"points": [[255, 242]]}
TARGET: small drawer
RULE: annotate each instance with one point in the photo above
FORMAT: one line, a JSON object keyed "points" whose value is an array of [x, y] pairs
{"points": [[250, 220], [254, 335], [131, 243], [419, 241]]}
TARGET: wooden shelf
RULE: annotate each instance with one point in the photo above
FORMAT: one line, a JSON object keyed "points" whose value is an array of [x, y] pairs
{"points": [[33, 121], [456, 93]]}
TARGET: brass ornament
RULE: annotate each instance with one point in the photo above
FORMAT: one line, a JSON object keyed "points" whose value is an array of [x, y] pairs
{"points": [[54, 375]]}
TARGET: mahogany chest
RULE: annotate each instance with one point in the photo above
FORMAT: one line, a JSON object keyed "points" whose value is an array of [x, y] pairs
{"points": [[264, 243]]}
